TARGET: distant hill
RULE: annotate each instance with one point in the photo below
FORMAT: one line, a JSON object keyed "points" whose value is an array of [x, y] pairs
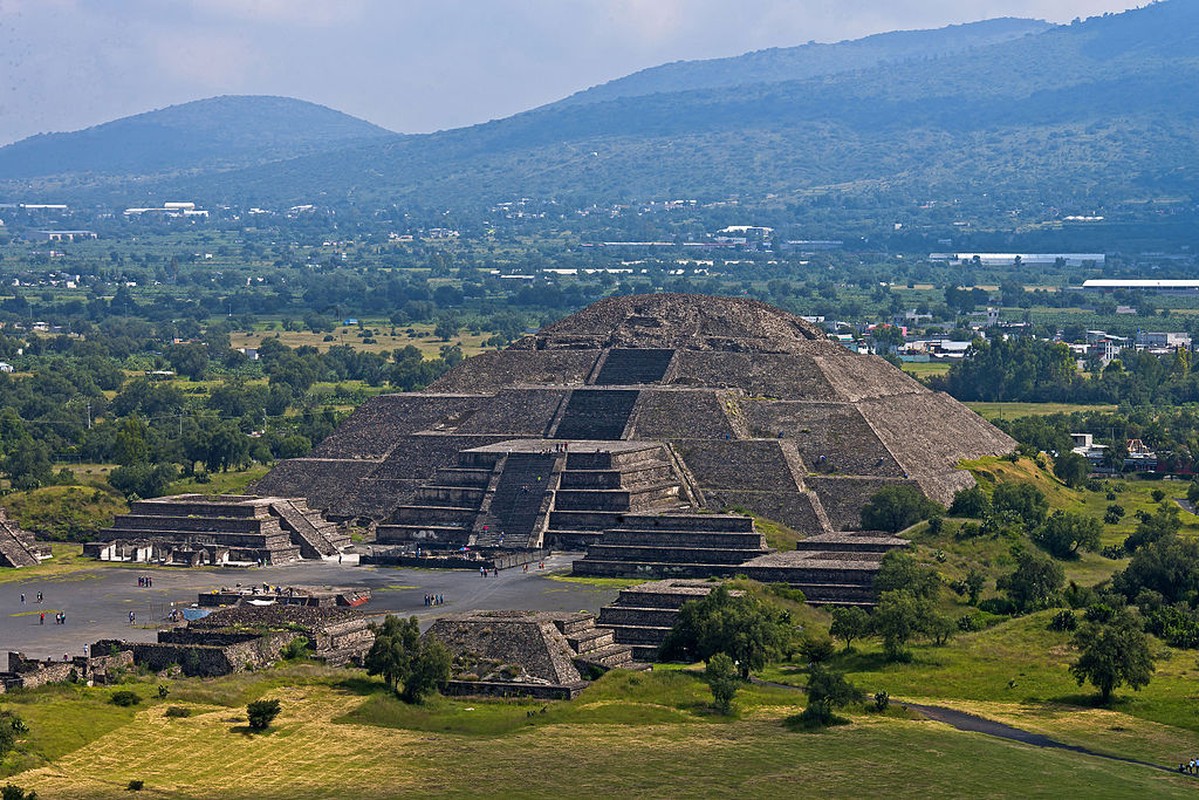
{"points": [[1075, 119], [217, 133], [810, 60]]}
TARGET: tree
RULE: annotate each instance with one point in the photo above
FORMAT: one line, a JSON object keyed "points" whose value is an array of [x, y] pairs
{"points": [[1072, 468], [405, 660], [1164, 522], [1168, 566], [827, 691], [262, 713], [1112, 655], [1023, 499], [894, 508], [143, 480], [740, 626], [1033, 583], [901, 571], [849, 623], [723, 680], [1066, 532], [899, 617], [970, 502]]}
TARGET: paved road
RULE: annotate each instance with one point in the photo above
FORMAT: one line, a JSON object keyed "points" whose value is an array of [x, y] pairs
{"points": [[98, 601]]}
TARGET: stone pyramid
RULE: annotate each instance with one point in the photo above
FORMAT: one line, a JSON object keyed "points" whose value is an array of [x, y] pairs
{"points": [[646, 404]]}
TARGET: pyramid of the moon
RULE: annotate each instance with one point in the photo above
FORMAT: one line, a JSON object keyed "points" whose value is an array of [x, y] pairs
{"points": [[645, 404]]}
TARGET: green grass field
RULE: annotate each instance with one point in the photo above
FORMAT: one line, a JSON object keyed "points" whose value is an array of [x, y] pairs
{"points": [[1012, 410], [629, 735]]}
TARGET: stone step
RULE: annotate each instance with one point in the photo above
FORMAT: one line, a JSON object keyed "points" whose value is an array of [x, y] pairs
{"points": [[632, 615], [434, 515], [584, 520], [462, 496], [651, 635], [590, 641], [716, 523], [610, 656], [604, 551], [659, 538], [435, 536]]}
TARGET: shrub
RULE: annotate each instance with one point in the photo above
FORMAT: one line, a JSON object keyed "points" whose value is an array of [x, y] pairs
{"points": [[1063, 620], [1158, 495], [816, 649], [894, 508], [970, 622], [723, 680], [135, 786], [10, 791], [1023, 499], [296, 648], [125, 698], [882, 701], [261, 713], [1113, 514], [163, 691], [177, 711]]}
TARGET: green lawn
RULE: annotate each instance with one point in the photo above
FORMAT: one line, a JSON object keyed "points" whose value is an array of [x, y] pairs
{"points": [[629, 735]]}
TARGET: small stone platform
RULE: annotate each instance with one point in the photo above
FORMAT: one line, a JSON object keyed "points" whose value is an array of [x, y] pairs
{"points": [[529, 653], [194, 530]]}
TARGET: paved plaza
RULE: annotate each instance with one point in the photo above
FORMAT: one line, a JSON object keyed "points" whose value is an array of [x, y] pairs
{"points": [[97, 601]]}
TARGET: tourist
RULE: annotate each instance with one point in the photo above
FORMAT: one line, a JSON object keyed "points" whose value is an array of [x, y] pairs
{"points": [[39, 597], [42, 619], [132, 617], [22, 598]]}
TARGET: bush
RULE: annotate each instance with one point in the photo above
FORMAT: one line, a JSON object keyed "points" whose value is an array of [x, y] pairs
{"points": [[125, 698], [10, 791], [135, 786], [1024, 499], [1158, 495], [163, 691], [261, 713], [296, 648], [1113, 514], [1063, 620], [723, 680], [894, 508], [882, 701], [816, 649], [177, 711]]}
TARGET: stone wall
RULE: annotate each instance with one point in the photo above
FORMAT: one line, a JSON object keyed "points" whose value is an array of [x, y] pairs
{"points": [[376, 426], [680, 414], [489, 371]]}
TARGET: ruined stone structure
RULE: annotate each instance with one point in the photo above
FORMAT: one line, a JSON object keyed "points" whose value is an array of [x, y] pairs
{"points": [[248, 637], [640, 407], [642, 615], [18, 548], [529, 653], [94, 670], [193, 529]]}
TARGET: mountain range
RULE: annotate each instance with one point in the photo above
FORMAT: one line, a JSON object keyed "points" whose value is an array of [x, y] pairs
{"points": [[1006, 114]]}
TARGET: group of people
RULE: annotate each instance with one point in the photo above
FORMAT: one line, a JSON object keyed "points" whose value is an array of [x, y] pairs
{"points": [[145, 581], [60, 618], [434, 599], [39, 598], [484, 572], [1190, 767]]}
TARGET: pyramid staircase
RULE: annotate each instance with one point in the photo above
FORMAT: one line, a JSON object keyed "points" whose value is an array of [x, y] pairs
{"points": [[595, 647], [315, 537], [673, 545], [631, 367], [17, 546], [597, 488], [443, 513]]}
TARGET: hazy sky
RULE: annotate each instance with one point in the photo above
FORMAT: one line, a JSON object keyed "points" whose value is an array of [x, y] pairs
{"points": [[409, 65]]}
